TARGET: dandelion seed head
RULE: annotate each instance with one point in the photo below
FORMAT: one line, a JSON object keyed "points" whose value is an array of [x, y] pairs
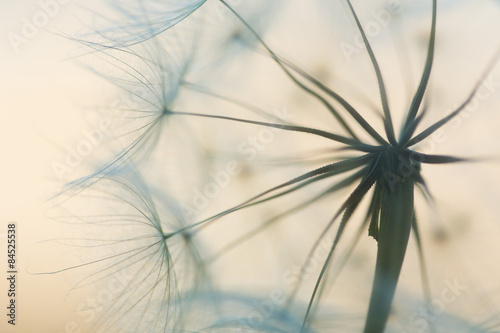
{"points": [[381, 172], [125, 241]]}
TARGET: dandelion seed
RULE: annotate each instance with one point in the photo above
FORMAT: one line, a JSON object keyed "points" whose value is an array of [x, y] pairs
{"points": [[136, 250], [149, 78], [139, 21]]}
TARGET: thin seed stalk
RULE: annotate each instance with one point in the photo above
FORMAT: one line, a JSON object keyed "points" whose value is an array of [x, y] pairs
{"points": [[396, 215]]}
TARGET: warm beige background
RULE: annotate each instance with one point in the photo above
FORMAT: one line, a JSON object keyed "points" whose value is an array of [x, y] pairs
{"points": [[39, 96], [41, 100]]}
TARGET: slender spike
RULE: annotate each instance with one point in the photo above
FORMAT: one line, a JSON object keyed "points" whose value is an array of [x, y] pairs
{"points": [[423, 266], [345, 218], [288, 73], [417, 99], [408, 132], [431, 129], [245, 105], [331, 169], [389, 129], [438, 159], [328, 135], [424, 189], [348, 208], [348, 107], [341, 262], [340, 185], [396, 218]]}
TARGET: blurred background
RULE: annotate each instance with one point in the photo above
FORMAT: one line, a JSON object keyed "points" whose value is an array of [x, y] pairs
{"points": [[56, 93]]}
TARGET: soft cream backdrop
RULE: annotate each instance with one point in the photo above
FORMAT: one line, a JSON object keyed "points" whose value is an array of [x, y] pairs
{"points": [[42, 96]]}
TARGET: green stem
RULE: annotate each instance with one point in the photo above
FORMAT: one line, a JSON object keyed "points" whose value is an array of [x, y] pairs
{"points": [[396, 216]]}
